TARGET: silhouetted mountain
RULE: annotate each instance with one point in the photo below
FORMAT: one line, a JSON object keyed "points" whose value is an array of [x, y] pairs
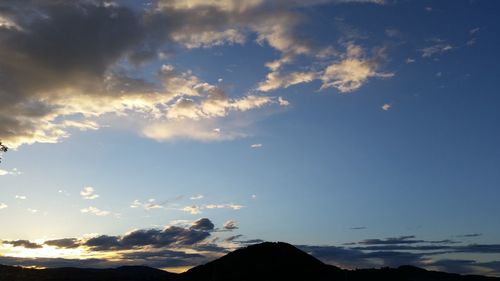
{"points": [[124, 273], [266, 261]]}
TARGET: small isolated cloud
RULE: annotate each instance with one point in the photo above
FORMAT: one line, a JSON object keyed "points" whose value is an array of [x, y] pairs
{"points": [[358, 227], [3, 206], [33, 211], [391, 32], [230, 225], [474, 30], [436, 49], [88, 193], [197, 197], [149, 205], [470, 235], [409, 60], [254, 196], [256, 145], [20, 197], [386, 107], [410, 239], [283, 102], [202, 224], [94, 211]]}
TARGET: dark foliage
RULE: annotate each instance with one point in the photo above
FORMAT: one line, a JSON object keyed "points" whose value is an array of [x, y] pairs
{"points": [[3, 148], [265, 261]]}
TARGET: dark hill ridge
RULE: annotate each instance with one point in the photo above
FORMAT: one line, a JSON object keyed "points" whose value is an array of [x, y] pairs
{"points": [[271, 261], [266, 261]]}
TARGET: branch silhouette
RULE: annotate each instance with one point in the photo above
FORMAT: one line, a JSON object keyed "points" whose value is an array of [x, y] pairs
{"points": [[3, 148]]}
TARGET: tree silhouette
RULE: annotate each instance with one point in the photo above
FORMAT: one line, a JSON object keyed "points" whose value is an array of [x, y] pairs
{"points": [[3, 148]]}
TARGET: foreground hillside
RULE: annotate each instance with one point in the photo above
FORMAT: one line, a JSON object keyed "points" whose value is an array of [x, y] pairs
{"points": [[266, 261]]}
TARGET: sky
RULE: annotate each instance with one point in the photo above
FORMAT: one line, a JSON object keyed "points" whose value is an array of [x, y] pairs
{"points": [[168, 133]]}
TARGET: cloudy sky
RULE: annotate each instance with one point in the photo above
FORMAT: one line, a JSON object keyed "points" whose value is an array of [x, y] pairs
{"points": [[170, 132]]}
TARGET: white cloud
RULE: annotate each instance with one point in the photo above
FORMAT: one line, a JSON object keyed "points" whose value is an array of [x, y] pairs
{"points": [[352, 71], [208, 39], [88, 193], [193, 210], [13, 172], [149, 205], [197, 197], [348, 73], [20, 197], [197, 209], [94, 211], [256, 145], [276, 80], [33, 211], [283, 102], [410, 60], [3, 206], [386, 107]]}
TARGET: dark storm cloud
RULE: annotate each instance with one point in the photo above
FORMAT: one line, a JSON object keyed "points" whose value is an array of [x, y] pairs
{"points": [[470, 235], [358, 228], [233, 238], [67, 243], [53, 50], [250, 241], [164, 258], [203, 224], [172, 236], [392, 240], [404, 247], [479, 248], [57, 262], [57, 45], [103, 243], [23, 243]]}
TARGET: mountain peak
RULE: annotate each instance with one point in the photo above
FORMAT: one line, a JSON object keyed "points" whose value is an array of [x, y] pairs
{"points": [[264, 261]]}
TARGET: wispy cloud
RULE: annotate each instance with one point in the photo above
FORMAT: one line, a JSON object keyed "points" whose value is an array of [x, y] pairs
{"points": [[95, 211], [230, 225], [149, 205], [197, 209], [436, 49], [13, 172]]}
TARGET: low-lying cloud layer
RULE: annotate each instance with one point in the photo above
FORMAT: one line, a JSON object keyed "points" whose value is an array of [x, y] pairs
{"points": [[202, 241]]}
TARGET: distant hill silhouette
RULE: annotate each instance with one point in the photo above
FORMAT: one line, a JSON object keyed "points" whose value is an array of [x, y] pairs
{"points": [[266, 261]]}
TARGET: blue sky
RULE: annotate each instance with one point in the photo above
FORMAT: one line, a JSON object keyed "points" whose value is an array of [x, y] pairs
{"points": [[323, 123]]}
